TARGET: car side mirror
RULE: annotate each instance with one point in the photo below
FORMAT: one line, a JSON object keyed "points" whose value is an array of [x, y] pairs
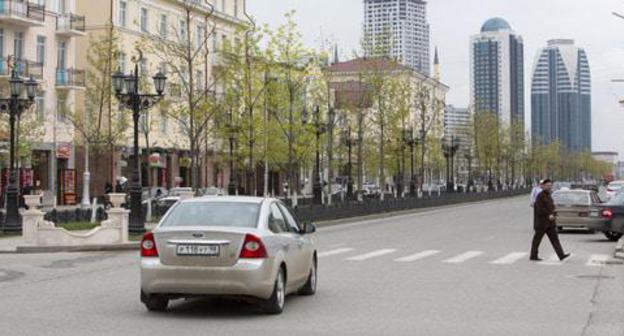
{"points": [[309, 228]]}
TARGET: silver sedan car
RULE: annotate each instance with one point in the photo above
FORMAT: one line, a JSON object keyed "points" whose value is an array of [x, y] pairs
{"points": [[228, 246]]}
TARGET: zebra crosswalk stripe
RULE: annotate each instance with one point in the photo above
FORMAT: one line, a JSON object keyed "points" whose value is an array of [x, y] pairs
{"points": [[463, 257], [509, 259], [417, 256], [371, 255], [597, 260], [334, 252]]}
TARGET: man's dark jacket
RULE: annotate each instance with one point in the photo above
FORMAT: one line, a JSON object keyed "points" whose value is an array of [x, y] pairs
{"points": [[544, 207]]}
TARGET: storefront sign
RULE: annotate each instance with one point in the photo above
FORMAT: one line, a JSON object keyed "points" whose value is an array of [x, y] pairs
{"points": [[185, 162], [63, 150], [156, 160]]}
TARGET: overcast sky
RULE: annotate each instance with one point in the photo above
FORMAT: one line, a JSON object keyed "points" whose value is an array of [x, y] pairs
{"points": [[589, 22]]}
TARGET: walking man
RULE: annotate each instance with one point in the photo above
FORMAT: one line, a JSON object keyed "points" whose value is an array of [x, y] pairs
{"points": [[545, 222]]}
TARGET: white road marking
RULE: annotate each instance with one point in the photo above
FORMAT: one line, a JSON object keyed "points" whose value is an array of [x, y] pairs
{"points": [[553, 260], [463, 257], [334, 252], [373, 254], [597, 260], [509, 259], [417, 256]]}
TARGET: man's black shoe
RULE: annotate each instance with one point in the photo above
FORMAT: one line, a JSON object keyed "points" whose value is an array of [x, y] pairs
{"points": [[536, 259], [565, 256]]}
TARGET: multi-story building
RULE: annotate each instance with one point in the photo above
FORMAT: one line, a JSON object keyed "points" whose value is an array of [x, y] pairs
{"points": [[398, 28], [352, 94], [134, 22], [41, 38], [497, 71], [457, 122], [561, 96]]}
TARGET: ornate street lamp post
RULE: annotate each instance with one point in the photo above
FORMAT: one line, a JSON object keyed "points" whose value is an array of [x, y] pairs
{"points": [[450, 146], [319, 128], [469, 158], [411, 141], [15, 106], [132, 99], [350, 142]]}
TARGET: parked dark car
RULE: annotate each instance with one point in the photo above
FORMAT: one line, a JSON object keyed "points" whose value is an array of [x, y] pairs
{"points": [[577, 209], [612, 214]]}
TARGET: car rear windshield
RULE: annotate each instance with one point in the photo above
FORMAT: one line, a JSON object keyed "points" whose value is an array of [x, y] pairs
{"points": [[571, 198], [618, 199], [233, 214]]}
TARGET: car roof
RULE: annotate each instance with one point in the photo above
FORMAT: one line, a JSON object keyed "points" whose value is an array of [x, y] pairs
{"points": [[574, 191], [227, 199]]}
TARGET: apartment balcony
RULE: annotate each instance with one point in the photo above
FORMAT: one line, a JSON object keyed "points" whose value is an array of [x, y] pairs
{"points": [[70, 79], [22, 13], [70, 25], [24, 68]]}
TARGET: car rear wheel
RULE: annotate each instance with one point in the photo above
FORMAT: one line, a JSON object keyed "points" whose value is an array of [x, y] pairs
{"points": [[275, 304], [154, 302], [613, 236], [310, 286]]}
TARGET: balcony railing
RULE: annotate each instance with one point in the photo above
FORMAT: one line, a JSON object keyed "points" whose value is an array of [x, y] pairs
{"points": [[70, 22], [70, 78], [22, 9], [24, 68]]}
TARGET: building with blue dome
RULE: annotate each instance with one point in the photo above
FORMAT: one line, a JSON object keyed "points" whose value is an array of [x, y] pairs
{"points": [[497, 71]]}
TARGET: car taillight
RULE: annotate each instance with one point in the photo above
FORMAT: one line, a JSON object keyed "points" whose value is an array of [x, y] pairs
{"points": [[148, 246], [607, 213], [253, 248]]}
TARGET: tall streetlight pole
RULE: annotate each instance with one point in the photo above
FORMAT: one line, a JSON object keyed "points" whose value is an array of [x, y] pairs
{"points": [[233, 129], [319, 128], [450, 146], [15, 106], [137, 102], [408, 136], [350, 142]]}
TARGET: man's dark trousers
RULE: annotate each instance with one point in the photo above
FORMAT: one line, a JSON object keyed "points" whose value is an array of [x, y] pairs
{"points": [[551, 232]]}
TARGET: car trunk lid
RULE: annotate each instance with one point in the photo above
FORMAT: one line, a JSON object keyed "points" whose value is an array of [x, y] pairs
{"points": [[200, 246]]}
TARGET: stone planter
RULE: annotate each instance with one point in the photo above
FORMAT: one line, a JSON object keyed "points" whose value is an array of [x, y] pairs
{"points": [[117, 199], [184, 195], [32, 201]]}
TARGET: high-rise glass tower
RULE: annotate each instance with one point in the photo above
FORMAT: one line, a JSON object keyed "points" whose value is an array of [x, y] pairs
{"points": [[497, 71], [398, 28], [561, 96]]}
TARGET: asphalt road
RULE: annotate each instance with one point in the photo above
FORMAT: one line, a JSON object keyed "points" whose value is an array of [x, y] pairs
{"points": [[455, 271]]}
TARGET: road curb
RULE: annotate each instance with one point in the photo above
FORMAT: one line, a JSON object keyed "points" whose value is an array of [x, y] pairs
{"points": [[619, 249], [131, 246]]}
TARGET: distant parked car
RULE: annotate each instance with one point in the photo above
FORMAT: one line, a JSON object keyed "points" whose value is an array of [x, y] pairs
{"points": [[577, 209], [228, 246], [613, 217], [614, 187]]}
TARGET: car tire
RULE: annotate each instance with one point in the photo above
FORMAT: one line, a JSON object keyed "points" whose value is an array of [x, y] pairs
{"points": [[310, 286], [275, 304], [613, 236], [154, 302]]}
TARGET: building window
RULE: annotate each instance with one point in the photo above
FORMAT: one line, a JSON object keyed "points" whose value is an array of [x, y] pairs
{"points": [[144, 20], [123, 13], [18, 45], [163, 26], [1, 47], [62, 6], [199, 80], [198, 37], [163, 122], [122, 62], [163, 68], [41, 41], [223, 6], [61, 109], [40, 105], [182, 36], [62, 55], [236, 8]]}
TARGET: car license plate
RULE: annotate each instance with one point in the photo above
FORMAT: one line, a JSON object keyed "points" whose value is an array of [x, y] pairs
{"points": [[197, 250], [593, 214]]}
